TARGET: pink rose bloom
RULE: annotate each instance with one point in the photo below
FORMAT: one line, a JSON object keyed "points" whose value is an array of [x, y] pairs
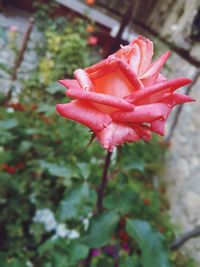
{"points": [[123, 98]]}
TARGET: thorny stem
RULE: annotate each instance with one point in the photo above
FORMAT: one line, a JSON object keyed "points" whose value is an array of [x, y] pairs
{"points": [[100, 196]]}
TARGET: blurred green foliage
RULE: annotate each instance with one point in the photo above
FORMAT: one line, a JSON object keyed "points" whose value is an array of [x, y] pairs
{"points": [[67, 48], [49, 176]]}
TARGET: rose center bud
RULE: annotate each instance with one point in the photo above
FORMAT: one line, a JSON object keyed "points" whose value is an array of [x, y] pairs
{"points": [[114, 83]]}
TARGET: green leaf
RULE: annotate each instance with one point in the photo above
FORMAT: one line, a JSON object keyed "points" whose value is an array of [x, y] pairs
{"points": [[31, 131], [54, 88], [151, 243], [60, 260], [11, 262], [84, 169], [5, 137], [45, 247], [137, 166], [123, 202], [25, 146], [78, 252], [101, 229], [8, 124], [129, 262], [46, 109], [56, 169], [105, 263], [74, 201]]}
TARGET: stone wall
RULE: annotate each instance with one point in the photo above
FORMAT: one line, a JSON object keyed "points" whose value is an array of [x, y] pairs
{"points": [[176, 21], [182, 170], [8, 55]]}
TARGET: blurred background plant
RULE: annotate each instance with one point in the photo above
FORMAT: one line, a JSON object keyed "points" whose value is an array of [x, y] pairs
{"points": [[49, 173]]}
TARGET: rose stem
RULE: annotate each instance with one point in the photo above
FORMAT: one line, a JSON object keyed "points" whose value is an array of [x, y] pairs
{"points": [[100, 196], [104, 180]]}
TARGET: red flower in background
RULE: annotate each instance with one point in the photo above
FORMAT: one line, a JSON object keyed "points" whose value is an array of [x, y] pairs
{"points": [[90, 28], [92, 40], [123, 98], [146, 201], [17, 106], [9, 169], [13, 169], [90, 2]]}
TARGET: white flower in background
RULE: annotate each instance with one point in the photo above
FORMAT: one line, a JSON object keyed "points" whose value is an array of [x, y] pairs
{"points": [[29, 264], [73, 234], [10, 110], [85, 222], [93, 160], [61, 230], [46, 217], [32, 198]]}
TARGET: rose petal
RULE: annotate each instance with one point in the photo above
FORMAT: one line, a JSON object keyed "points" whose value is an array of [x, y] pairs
{"points": [[161, 77], [159, 87], [143, 131], [121, 70], [124, 53], [143, 113], [158, 126], [130, 74], [84, 79], [84, 113], [146, 50], [115, 84], [156, 66], [70, 83], [176, 99], [135, 59], [109, 100], [116, 134], [96, 67]]}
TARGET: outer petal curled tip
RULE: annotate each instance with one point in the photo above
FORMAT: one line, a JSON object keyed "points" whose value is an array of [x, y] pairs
{"points": [[83, 79], [104, 99], [176, 99], [96, 67], [116, 134], [156, 66], [162, 86], [158, 126], [143, 113], [70, 83], [85, 113]]}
